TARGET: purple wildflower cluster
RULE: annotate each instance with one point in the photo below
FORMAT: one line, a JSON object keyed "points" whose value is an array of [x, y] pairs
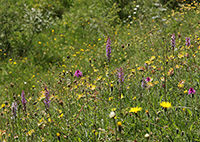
{"points": [[187, 40], [173, 42], [46, 101], [108, 49], [120, 75], [23, 100]]}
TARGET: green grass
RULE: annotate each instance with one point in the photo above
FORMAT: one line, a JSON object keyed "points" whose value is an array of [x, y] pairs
{"points": [[79, 107]]}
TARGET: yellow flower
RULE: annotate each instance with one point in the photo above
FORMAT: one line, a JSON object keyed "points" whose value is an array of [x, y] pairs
{"points": [[166, 104], [2, 105], [119, 123], [180, 85], [134, 98], [61, 115], [135, 109], [113, 109], [58, 134], [110, 98], [152, 58]]}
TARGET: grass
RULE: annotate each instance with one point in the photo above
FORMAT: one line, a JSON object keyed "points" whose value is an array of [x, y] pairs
{"points": [[97, 106]]}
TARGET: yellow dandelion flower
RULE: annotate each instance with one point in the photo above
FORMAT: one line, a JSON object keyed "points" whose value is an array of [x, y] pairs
{"points": [[2, 105], [166, 104], [58, 134], [135, 109], [119, 123]]}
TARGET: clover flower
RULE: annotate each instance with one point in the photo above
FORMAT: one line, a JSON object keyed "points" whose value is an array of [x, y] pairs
{"points": [[78, 73], [108, 49], [23, 100]]}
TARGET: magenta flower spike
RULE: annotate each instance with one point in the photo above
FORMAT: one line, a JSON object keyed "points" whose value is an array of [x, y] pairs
{"points": [[191, 91], [78, 73]]}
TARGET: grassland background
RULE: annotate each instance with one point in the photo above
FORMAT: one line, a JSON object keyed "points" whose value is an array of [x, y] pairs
{"points": [[43, 43]]}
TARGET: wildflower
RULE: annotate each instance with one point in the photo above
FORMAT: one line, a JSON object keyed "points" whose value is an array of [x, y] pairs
{"points": [[110, 98], [3, 106], [78, 73], [188, 41], [111, 87], [112, 114], [181, 84], [120, 75], [148, 79], [144, 83], [146, 135], [191, 91], [119, 124], [135, 109], [46, 101], [58, 135], [23, 100], [173, 43], [147, 112], [14, 109], [166, 105], [170, 72], [108, 49]]}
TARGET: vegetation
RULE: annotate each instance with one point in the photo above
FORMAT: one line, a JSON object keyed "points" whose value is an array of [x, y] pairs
{"points": [[91, 70]]}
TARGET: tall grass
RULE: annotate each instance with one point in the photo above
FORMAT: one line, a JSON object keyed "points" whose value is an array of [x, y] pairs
{"points": [[153, 102]]}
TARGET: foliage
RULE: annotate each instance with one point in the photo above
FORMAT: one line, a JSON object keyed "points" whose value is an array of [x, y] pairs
{"points": [[147, 91]]}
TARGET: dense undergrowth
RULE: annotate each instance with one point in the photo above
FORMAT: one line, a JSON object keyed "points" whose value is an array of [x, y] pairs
{"points": [[143, 85]]}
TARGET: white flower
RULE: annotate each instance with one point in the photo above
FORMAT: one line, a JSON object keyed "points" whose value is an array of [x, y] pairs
{"points": [[146, 135], [25, 83], [137, 6], [112, 114], [129, 16], [134, 12], [135, 9]]}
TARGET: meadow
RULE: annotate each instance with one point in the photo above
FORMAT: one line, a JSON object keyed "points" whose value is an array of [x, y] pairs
{"points": [[91, 70]]}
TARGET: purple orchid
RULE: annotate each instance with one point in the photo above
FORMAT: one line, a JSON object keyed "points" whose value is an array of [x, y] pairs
{"points": [[78, 73]]}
